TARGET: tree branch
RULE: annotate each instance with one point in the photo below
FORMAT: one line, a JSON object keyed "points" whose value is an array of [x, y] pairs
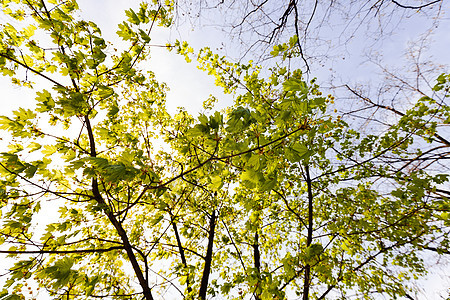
{"points": [[181, 250], [415, 7], [32, 70], [62, 251]]}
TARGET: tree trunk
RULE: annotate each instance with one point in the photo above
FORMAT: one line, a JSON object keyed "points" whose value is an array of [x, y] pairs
{"points": [[117, 225], [307, 280], [208, 258], [257, 261]]}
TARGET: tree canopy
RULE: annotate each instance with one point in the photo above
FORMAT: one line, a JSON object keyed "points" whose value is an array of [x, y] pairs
{"points": [[274, 197]]}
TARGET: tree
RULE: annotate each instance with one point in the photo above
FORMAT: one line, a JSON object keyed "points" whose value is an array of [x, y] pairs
{"points": [[273, 197]]}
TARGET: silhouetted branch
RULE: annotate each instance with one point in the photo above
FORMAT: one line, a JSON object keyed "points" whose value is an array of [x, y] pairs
{"points": [[415, 7]]}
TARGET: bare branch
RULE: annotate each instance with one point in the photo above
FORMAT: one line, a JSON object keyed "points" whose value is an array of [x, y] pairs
{"points": [[416, 7]]}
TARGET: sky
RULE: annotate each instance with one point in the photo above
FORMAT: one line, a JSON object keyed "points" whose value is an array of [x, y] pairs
{"points": [[189, 87]]}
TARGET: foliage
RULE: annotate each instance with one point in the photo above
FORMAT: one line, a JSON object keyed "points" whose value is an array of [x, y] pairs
{"points": [[272, 197]]}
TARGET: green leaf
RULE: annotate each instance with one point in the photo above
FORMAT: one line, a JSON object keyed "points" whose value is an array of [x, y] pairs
{"points": [[127, 158], [144, 36], [183, 279], [113, 111], [30, 171], [314, 250], [295, 85], [249, 175], [24, 114], [91, 285], [105, 92], [157, 219], [226, 287], [45, 101], [49, 150], [6, 123], [132, 17], [297, 152], [216, 183], [252, 178], [301, 149], [118, 172], [269, 184], [319, 101], [253, 162], [125, 32], [34, 146], [266, 295], [60, 271]]}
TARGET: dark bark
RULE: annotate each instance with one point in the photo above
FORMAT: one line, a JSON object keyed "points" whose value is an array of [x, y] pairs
{"points": [[416, 6], [208, 258], [307, 280], [256, 253], [257, 261], [181, 249], [438, 250]]}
